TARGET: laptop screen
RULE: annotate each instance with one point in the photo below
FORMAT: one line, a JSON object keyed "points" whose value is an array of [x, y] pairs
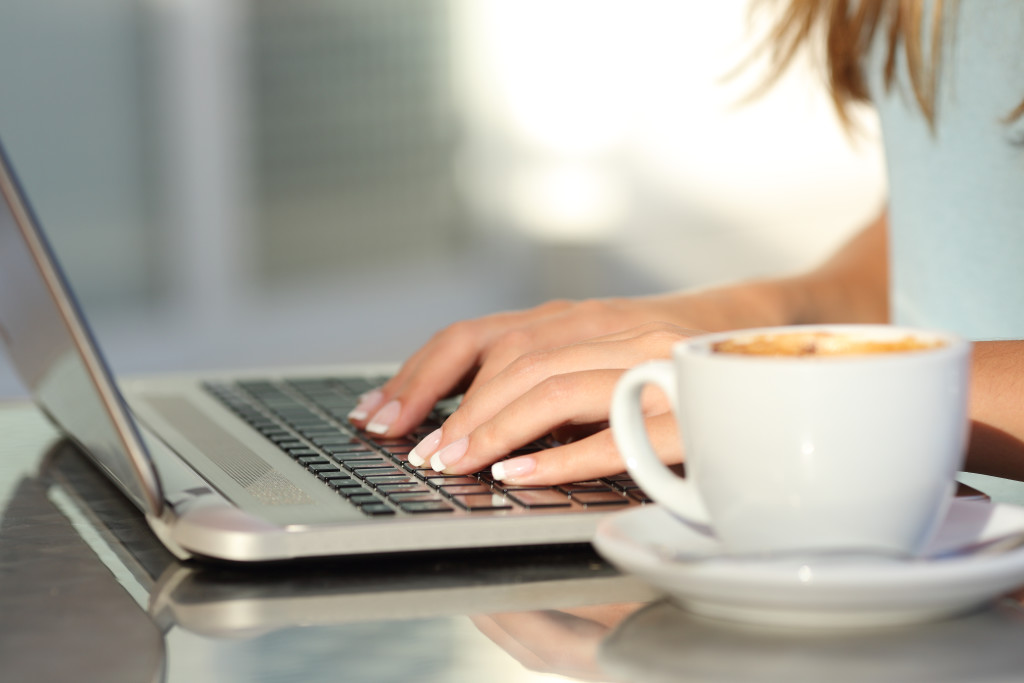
{"points": [[53, 352]]}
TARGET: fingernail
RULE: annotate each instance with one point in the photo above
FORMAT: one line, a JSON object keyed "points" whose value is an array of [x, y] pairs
{"points": [[424, 449], [450, 454], [381, 421], [513, 468], [367, 402]]}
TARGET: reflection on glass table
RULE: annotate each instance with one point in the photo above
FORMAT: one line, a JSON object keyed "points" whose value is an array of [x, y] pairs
{"points": [[368, 619]]}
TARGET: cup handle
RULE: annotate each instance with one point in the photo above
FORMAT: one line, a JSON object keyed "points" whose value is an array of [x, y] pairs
{"points": [[678, 494]]}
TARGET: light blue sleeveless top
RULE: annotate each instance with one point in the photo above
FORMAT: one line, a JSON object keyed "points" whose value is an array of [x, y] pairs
{"points": [[956, 195]]}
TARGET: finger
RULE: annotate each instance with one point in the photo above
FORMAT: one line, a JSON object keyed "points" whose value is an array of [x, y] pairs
{"points": [[436, 370], [530, 370], [591, 458], [449, 353], [579, 398], [526, 373]]}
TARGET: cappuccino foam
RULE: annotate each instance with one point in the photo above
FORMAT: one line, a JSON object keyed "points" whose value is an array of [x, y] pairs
{"points": [[820, 344]]}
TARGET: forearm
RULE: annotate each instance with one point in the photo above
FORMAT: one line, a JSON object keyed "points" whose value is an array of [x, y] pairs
{"points": [[851, 286], [997, 394]]}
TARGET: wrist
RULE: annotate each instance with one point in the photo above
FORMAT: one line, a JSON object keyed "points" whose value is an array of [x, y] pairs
{"points": [[760, 303]]}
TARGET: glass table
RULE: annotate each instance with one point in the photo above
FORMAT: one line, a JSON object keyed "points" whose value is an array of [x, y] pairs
{"points": [[87, 594]]}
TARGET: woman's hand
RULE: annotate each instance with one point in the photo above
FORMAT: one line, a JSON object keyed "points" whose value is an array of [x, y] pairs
{"points": [[565, 390], [549, 369], [528, 373], [465, 355]]}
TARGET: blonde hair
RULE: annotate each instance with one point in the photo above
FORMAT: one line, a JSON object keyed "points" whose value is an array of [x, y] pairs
{"points": [[850, 27]]}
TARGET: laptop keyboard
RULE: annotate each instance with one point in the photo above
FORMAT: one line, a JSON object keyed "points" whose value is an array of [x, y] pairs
{"points": [[307, 419]]}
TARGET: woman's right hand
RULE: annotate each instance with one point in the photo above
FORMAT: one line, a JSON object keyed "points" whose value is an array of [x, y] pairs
{"points": [[465, 355]]}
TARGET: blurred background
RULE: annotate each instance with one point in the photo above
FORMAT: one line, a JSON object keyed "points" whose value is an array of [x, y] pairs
{"points": [[239, 182]]}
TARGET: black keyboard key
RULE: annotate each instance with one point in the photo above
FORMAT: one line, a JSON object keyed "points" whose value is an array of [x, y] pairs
{"points": [[376, 510], [345, 487], [479, 501], [322, 467], [465, 489], [333, 476], [409, 496], [377, 480], [375, 470], [540, 498], [339, 442], [364, 498], [596, 498], [425, 506], [322, 429], [585, 486], [353, 457], [302, 451], [390, 490], [451, 480], [638, 495], [398, 450]]}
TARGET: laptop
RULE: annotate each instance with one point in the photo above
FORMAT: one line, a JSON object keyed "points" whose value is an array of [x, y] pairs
{"points": [[257, 466]]}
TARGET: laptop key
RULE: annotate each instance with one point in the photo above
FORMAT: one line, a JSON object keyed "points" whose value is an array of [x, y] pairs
{"points": [[339, 442], [477, 501], [377, 480], [540, 498], [318, 467], [594, 498], [451, 480], [411, 495], [364, 499], [336, 475], [639, 496], [355, 457], [307, 460], [345, 487], [579, 487], [392, 490], [465, 489], [376, 510], [375, 470], [425, 506], [300, 451]]}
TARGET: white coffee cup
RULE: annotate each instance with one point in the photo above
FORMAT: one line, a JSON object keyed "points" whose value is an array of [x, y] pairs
{"points": [[806, 454]]}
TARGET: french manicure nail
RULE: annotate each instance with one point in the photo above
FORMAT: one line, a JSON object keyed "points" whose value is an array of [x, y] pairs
{"points": [[367, 403], [425, 448], [382, 420], [513, 468], [450, 454]]}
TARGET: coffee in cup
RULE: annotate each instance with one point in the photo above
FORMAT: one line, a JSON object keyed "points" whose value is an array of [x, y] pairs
{"points": [[820, 343], [806, 439]]}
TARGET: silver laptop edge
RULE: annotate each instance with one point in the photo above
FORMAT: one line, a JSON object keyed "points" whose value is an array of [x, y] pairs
{"points": [[54, 353]]}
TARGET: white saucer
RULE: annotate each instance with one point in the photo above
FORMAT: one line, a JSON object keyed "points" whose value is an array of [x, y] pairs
{"points": [[649, 542]]}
